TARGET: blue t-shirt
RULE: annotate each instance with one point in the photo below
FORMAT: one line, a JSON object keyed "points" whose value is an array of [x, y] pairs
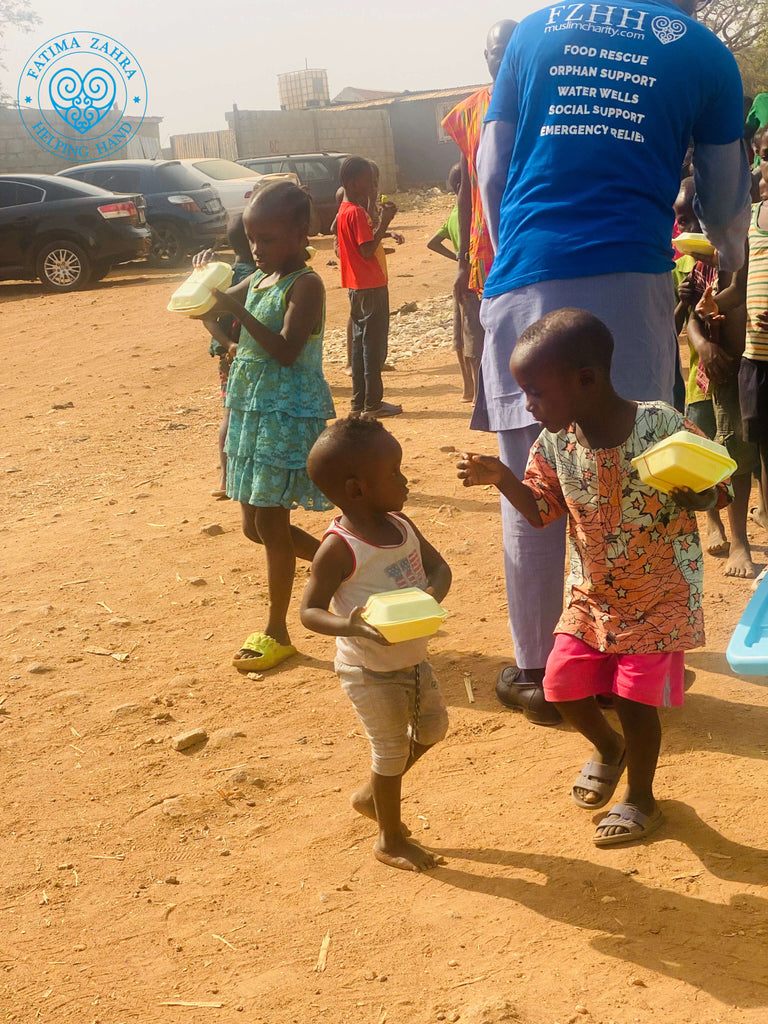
{"points": [[605, 99]]}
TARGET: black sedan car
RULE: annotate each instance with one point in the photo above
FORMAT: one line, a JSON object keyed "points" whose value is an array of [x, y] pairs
{"points": [[66, 233], [183, 214]]}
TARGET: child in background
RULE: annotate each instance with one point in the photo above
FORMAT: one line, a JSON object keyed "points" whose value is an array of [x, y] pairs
{"points": [[339, 200], [225, 331], [362, 273], [633, 596], [374, 209], [462, 325], [712, 393], [278, 399], [371, 547], [753, 372]]}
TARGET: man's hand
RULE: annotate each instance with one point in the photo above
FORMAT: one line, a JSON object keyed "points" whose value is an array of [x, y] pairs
{"points": [[762, 320], [359, 627], [397, 237], [475, 470], [694, 501]]}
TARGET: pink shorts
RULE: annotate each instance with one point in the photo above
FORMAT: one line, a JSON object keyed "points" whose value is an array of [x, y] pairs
{"points": [[575, 671]]}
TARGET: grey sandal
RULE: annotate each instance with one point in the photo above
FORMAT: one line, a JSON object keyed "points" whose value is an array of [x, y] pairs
{"points": [[636, 825], [601, 779]]}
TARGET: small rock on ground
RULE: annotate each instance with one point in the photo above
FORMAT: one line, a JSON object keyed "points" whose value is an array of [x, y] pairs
{"points": [[212, 530], [223, 737], [185, 740]]}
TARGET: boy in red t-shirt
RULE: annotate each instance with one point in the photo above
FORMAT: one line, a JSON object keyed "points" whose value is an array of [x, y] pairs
{"points": [[366, 278]]}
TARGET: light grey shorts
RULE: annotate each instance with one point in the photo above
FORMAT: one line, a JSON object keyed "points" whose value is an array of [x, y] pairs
{"points": [[385, 704]]}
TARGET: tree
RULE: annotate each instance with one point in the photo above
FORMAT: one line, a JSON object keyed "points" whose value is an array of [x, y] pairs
{"points": [[743, 27], [739, 23], [15, 14]]}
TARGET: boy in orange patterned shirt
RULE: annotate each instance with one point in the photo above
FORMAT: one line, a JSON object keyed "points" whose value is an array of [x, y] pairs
{"points": [[634, 592]]}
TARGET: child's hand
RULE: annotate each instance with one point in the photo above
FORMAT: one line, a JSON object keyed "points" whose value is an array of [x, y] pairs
{"points": [[715, 362], [397, 237], [762, 320], [686, 291], [712, 260], [693, 501], [226, 304], [388, 211], [359, 627], [707, 307], [479, 469], [201, 258]]}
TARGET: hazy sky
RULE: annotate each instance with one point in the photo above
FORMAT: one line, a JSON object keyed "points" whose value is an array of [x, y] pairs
{"points": [[200, 58]]}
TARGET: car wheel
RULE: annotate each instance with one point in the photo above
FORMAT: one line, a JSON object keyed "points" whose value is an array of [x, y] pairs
{"points": [[100, 271], [63, 267], [168, 249]]}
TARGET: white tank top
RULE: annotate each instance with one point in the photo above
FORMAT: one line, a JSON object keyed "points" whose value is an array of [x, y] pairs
{"points": [[376, 569]]}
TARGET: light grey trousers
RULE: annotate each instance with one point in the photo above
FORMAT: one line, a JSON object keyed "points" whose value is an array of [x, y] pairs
{"points": [[639, 311]]}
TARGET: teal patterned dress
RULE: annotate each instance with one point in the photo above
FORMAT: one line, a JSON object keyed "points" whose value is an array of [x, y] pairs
{"points": [[277, 412]]}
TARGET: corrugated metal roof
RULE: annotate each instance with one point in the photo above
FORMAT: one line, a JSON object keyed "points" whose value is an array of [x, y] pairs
{"points": [[408, 97]]}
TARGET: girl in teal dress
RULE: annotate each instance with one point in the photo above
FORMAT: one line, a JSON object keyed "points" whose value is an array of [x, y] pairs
{"points": [[279, 402]]}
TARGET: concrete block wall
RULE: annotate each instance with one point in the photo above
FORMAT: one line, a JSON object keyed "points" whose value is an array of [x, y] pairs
{"points": [[20, 153], [364, 132]]}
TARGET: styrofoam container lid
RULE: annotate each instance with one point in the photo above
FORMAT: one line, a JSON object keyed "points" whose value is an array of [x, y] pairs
{"points": [[193, 297], [692, 244], [393, 607], [684, 459]]}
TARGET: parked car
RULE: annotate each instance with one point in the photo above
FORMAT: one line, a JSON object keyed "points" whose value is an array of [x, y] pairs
{"points": [[234, 187], [317, 172], [66, 233], [184, 213]]}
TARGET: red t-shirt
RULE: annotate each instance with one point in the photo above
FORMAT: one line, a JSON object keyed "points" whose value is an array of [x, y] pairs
{"points": [[354, 227]]}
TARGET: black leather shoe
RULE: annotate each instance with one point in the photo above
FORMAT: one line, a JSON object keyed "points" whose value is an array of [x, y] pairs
{"points": [[523, 695]]}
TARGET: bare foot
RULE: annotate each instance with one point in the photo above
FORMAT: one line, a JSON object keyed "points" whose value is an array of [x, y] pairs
{"points": [[362, 802], [759, 517], [399, 853], [717, 543], [466, 399], [740, 564]]}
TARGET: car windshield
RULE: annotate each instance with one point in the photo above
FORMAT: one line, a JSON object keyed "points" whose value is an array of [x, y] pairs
{"points": [[175, 175], [222, 170]]}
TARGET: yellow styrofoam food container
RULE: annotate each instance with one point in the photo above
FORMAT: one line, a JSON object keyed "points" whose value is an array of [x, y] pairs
{"points": [[684, 460], [404, 614], [693, 244], [193, 298]]}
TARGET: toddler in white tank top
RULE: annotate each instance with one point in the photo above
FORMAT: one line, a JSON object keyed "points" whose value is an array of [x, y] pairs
{"points": [[371, 547]]}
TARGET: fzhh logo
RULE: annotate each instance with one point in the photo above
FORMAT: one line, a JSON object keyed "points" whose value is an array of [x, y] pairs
{"points": [[82, 95]]}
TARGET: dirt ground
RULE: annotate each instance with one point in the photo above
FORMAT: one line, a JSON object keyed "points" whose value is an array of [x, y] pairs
{"points": [[140, 883]]}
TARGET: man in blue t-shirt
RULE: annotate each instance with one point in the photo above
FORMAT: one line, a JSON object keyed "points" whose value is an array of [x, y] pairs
{"points": [[579, 165]]}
